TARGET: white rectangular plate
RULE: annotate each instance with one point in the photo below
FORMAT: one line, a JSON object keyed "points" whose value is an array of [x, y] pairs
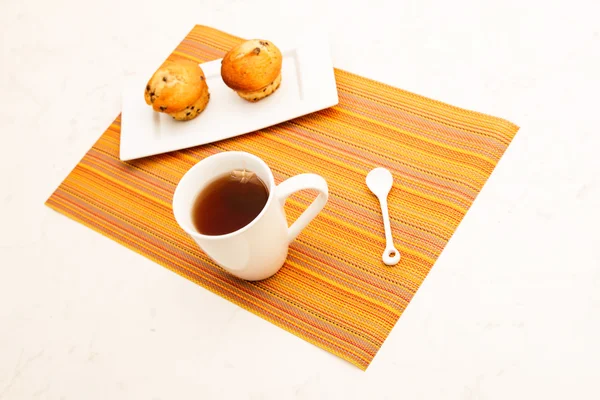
{"points": [[307, 85]]}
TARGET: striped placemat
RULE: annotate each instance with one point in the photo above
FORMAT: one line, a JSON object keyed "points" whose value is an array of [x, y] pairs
{"points": [[334, 290]]}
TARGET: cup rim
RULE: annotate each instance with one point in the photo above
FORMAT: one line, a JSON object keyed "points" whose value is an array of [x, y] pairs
{"points": [[193, 232]]}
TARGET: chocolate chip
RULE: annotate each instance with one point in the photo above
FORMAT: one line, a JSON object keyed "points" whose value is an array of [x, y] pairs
{"points": [[164, 78], [163, 108], [192, 107], [147, 88], [254, 99], [264, 43], [202, 78], [265, 89], [152, 94], [187, 114], [257, 50]]}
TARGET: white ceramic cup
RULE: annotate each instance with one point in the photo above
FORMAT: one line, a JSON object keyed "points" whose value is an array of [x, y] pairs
{"points": [[259, 249]]}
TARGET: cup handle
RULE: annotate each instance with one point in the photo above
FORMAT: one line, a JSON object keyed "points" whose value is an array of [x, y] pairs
{"points": [[295, 184]]}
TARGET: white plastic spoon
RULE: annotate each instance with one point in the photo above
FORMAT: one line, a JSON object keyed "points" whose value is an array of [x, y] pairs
{"points": [[380, 182]]}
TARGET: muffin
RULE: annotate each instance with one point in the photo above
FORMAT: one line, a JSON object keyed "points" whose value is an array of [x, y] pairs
{"points": [[178, 88], [252, 69]]}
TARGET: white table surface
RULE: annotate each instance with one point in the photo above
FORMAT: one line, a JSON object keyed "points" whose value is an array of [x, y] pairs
{"points": [[511, 310]]}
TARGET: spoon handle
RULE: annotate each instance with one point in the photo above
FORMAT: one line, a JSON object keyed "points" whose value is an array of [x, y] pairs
{"points": [[391, 256]]}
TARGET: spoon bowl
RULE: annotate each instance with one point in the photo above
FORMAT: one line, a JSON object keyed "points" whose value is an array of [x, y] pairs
{"points": [[380, 182]]}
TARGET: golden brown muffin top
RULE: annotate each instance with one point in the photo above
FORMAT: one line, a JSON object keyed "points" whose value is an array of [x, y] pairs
{"points": [[174, 86], [251, 65]]}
